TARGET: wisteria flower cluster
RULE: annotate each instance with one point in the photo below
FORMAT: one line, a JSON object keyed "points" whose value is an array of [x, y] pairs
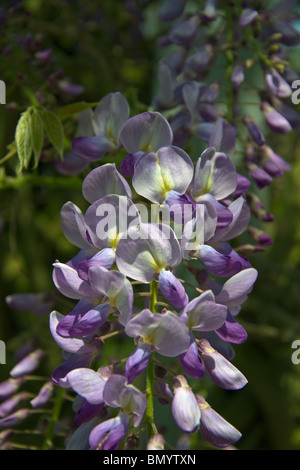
{"points": [[129, 237]]}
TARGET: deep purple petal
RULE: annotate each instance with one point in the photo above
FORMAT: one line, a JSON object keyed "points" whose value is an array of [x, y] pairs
{"points": [[231, 331], [91, 148], [172, 289], [191, 362], [137, 362], [107, 435]]}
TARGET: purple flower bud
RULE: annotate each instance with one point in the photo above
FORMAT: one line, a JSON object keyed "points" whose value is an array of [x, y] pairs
{"points": [[9, 387], [172, 289], [72, 89], [185, 409], [38, 304], [137, 362], [275, 120], [14, 419], [43, 396], [127, 165], [254, 130], [220, 370], [247, 17], [215, 429], [191, 362], [231, 331], [199, 61], [237, 76], [87, 412], [243, 184], [163, 392], [259, 236], [28, 364], [108, 435], [156, 442], [171, 10], [277, 85], [290, 36], [260, 176], [43, 56], [183, 33], [9, 406]]}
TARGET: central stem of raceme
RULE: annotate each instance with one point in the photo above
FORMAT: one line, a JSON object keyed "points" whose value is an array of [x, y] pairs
{"points": [[150, 370]]}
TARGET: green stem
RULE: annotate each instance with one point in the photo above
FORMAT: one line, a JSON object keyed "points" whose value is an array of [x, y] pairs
{"points": [[54, 418], [229, 68], [150, 371], [153, 296]]}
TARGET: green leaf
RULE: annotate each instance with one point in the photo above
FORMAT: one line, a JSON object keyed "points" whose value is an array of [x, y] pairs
{"points": [[75, 108], [54, 130], [23, 139], [37, 136]]}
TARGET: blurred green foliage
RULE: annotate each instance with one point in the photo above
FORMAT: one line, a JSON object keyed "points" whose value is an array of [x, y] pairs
{"points": [[110, 46]]}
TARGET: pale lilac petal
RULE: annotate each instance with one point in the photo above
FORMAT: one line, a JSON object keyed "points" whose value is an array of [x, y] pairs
{"points": [[215, 173], [71, 345], [28, 364], [108, 218], [214, 428], [247, 17], [155, 174], [165, 332], [104, 258], [103, 181], [116, 288], [43, 396], [68, 282], [88, 384], [203, 313], [220, 370], [73, 225], [114, 387], [146, 250], [147, 132], [240, 219], [237, 287], [110, 115], [185, 409]]}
